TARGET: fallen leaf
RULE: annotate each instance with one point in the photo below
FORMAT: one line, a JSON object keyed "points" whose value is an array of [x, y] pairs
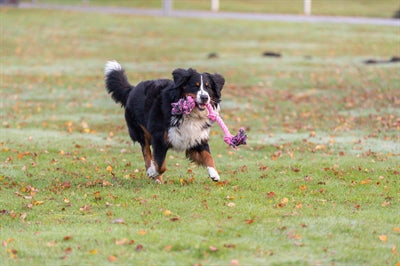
{"points": [[118, 221], [213, 249], [112, 258], [93, 251], [121, 242], [366, 181], [283, 202], [66, 185], [68, 250], [13, 252], [167, 212], [383, 238], [142, 232], [222, 183], [23, 216], [234, 263], [174, 219], [394, 250], [293, 235], [168, 248], [37, 202], [250, 221], [51, 244], [396, 229], [97, 195], [308, 178], [271, 194], [231, 204], [139, 247], [109, 168], [87, 208], [298, 244], [66, 238]]}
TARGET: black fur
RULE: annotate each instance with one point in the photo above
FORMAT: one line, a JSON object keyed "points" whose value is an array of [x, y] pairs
{"points": [[118, 86]]}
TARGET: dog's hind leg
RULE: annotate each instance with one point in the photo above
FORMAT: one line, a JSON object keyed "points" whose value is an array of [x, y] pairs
{"points": [[151, 167], [201, 155], [145, 143], [160, 149]]}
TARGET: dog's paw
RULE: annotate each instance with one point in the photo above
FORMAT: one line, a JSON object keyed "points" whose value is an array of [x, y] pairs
{"points": [[213, 174], [151, 171]]}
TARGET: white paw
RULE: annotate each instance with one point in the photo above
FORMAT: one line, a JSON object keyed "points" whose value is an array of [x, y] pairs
{"points": [[151, 171], [213, 174]]}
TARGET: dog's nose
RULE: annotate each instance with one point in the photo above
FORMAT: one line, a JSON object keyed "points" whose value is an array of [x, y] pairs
{"points": [[204, 98]]}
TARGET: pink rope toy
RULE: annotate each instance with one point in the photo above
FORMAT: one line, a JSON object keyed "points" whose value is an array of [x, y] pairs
{"points": [[185, 106]]}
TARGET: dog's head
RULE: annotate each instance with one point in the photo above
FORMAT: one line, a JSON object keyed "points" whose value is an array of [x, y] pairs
{"points": [[203, 87]]}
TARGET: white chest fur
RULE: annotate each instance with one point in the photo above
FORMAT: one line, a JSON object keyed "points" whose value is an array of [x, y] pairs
{"points": [[192, 130]]}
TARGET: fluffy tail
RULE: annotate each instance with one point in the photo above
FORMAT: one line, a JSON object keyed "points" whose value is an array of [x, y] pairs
{"points": [[116, 82]]}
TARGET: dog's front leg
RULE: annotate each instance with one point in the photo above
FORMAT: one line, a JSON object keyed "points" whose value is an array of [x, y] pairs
{"points": [[202, 155]]}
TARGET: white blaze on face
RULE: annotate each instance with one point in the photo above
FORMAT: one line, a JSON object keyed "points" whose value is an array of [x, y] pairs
{"points": [[202, 92]]}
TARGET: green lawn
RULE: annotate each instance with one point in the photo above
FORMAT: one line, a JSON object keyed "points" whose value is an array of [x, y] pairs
{"points": [[363, 8], [318, 182]]}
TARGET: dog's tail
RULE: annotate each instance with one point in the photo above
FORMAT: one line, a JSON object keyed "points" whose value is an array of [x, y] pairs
{"points": [[116, 82]]}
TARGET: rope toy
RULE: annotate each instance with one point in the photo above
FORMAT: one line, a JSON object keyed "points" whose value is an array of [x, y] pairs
{"points": [[185, 106]]}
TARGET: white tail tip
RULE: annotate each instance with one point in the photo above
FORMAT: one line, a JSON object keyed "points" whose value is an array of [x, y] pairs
{"points": [[112, 66]]}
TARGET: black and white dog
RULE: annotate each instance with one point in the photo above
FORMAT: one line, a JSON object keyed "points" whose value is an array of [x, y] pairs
{"points": [[150, 122]]}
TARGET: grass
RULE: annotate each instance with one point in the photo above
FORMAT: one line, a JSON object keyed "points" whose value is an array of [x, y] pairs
{"points": [[364, 8], [316, 184]]}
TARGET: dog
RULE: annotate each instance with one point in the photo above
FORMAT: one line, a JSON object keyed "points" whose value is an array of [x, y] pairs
{"points": [[150, 122]]}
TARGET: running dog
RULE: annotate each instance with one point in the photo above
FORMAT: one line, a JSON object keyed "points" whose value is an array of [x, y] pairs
{"points": [[150, 122]]}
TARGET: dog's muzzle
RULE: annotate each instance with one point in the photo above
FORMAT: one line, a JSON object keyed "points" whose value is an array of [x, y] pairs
{"points": [[202, 101]]}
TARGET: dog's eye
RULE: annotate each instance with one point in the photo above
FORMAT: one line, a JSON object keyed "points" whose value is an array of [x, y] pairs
{"points": [[207, 85], [197, 84]]}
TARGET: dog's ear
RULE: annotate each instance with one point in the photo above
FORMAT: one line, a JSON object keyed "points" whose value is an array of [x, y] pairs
{"points": [[181, 76], [218, 81]]}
